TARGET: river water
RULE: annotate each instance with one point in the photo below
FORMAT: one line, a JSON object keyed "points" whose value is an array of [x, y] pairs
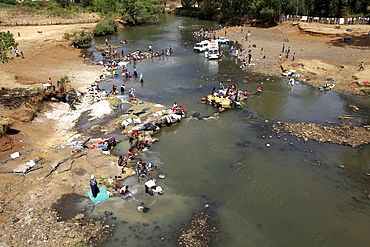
{"points": [[287, 193]]}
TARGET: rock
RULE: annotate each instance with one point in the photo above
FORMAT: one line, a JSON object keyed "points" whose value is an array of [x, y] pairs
{"points": [[108, 213], [79, 216]]}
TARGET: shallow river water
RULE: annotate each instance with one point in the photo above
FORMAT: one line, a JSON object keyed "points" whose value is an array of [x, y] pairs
{"points": [[289, 193]]}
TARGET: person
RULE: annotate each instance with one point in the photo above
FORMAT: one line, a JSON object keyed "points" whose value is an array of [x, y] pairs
{"points": [[361, 66], [120, 161], [50, 81], [222, 85], [293, 56], [141, 77], [135, 72], [123, 89], [22, 54], [142, 208], [175, 105], [283, 48], [106, 41], [125, 192], [94, 186], [114, 89], [131, 93], [259, 89], [112, 141], [280, 58], [129, 154]]}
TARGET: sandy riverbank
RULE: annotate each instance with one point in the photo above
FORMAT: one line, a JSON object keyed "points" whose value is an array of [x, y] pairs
{"points": [[320, 53]]}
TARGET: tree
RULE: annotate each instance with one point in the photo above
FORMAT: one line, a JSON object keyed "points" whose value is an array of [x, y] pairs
{"points": [[105, 7], [7, 42], [105, 27], [134, 12], [82, 40]]}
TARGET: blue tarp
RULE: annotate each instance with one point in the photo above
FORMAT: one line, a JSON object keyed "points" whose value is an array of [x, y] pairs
{"points": [[102, 195]]}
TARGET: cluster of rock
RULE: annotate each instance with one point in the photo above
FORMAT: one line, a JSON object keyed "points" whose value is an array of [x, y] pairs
{"points": [[40, 227], [199, 231], [345, 134]]}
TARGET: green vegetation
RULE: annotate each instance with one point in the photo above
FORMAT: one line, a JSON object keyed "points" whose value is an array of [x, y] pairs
{"points": [[237, 11], [82, 40], [105, 27], [7, 42], [365, 91], [63, 84], [131, 12]]}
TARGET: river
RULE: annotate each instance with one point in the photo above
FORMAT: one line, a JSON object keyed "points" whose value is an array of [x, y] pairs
{"points": [[264, 189]]}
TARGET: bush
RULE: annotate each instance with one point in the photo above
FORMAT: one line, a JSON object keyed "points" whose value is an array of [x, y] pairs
{"points": [[83, 40], [105, 27]]}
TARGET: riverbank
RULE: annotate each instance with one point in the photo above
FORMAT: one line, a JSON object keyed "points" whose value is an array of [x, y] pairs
{"points": [[61, 172], [319, 52]]}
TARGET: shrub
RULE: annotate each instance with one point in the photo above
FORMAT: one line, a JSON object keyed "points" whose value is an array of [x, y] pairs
{"points": [[105, 27], [83, 40]]}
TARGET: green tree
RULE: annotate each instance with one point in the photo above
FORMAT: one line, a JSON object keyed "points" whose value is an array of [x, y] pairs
{"points": [[105, 7], [134, 12], [83, 40], [7, 42], [105, 27]]}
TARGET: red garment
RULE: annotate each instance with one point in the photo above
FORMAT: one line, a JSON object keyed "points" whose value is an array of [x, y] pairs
{"points": [[128, 154]]}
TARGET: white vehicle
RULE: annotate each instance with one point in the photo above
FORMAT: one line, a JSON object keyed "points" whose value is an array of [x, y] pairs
{"points": [[202, 46], [223, 41], [213, 51]]}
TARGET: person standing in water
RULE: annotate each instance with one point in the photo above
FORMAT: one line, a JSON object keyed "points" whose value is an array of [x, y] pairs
{"points": [[141, 77]]}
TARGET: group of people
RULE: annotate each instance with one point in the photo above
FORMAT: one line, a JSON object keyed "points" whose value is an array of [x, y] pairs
{"points": [[286, 51], [226, 97], [205, 33]]}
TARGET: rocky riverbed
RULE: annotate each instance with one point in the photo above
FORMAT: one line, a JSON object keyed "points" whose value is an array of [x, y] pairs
{"points": [[344, 134]]}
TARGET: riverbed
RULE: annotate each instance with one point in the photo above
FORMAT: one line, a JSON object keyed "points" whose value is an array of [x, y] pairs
{"points": [[265, 189]]}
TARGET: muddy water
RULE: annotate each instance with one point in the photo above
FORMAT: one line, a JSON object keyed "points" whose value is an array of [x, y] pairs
{"points": [[286, 193]]}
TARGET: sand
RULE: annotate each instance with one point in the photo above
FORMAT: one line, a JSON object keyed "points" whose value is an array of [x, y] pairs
{"points": [[320, 53]]}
